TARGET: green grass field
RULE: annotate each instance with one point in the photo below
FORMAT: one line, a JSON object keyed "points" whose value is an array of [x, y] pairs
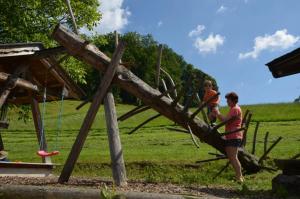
{"points": [[154, 153]]}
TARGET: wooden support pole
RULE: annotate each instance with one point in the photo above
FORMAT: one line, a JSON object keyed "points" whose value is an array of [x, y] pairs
{"points": [[37, 120], [212, 159], [266, 141], [91, 114], [223, 169], [165, 87], [192, 136], [158, 63], [19, 82], [254, 138], [144, 123], [246, 130], [169, 78], [115, 147], [133, 112], [268, 151], [234, 131]]}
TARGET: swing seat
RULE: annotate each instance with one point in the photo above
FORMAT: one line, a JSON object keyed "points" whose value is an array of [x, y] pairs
{"points": [[43, 153]]}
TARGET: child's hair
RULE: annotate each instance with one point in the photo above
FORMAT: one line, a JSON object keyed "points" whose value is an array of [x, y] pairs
{"points": [[208, 83]]}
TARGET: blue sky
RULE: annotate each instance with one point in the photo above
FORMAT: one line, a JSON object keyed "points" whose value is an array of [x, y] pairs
{"points": [[231, 40]]}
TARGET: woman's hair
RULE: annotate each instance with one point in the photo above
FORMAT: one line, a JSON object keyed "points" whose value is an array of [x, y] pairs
{"points": [[232, 96]]}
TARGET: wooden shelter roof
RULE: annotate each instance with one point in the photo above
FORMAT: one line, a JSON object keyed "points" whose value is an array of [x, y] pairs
{"points": [[39, 68], [285, 65]]}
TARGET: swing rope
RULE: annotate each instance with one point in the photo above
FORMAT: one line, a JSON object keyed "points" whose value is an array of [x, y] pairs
{"points": [[42, 151]]}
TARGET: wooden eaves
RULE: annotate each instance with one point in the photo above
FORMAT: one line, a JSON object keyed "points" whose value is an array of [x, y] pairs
{"points": [[285, 65]]}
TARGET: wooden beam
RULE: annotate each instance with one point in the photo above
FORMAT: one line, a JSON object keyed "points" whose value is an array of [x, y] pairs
{"points": [[144, 123], [269, 149], [115, 146], [254, 138], [38, 124], [45, 53], [91, 114], [19, 82]]}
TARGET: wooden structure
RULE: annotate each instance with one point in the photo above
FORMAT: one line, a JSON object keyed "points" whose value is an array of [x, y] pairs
{"points": [[285, 65], [26, 69], [153, 98]]}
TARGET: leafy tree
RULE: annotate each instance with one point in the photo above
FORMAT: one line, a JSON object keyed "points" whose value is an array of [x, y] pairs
{"points": [[33, 20]]}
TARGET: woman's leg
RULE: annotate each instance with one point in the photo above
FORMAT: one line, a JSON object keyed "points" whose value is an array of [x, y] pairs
{"points": [[232, 156]]}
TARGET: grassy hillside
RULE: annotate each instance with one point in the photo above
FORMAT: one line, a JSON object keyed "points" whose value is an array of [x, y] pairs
{"points": [[154, 153]]}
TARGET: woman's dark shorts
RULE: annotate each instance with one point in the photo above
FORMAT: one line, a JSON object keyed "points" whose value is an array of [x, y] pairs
{"points": [[234, 142]]}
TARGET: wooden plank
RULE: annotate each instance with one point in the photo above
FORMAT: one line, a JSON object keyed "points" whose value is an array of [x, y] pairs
{"points": [[269, 149], [25, 169], [20, 82], [91, 114]]}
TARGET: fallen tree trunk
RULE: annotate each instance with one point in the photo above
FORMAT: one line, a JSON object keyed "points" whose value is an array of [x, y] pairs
{"points": [[125, 79]]}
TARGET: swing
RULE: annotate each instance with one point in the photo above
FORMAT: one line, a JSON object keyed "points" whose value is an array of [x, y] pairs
{"points": [[42, 152]]}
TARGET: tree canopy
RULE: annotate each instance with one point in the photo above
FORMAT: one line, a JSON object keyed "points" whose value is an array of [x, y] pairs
{"points": [[34, 20]]}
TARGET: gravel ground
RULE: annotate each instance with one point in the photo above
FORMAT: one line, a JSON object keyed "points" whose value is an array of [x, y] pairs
{"points": [[200, 191]]}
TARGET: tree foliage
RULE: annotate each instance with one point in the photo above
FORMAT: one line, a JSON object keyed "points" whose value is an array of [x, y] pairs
{"points": [[34, 20]]}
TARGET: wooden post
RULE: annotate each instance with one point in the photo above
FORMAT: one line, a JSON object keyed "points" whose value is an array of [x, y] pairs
{"points": [[37, 119], [246, 130], [158, 63], [268, 151], [254, 138], [91, 114], [115, 147], [266, 141]]}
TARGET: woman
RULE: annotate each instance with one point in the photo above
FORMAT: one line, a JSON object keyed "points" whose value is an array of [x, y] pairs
{"points": [[233, 140]]}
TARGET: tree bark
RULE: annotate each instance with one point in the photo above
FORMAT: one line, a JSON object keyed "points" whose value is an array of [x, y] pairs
{"points": [[125, 79]]}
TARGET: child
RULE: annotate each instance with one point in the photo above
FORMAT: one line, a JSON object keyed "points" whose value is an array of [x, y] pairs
{"points": [[212, 105]]}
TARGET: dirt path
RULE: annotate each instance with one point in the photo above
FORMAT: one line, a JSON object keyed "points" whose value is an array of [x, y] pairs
{"points": [[75, 182]]}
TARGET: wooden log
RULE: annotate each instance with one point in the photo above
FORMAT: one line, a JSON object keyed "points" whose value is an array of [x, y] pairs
{"points": [[20, 82], [268, 151], [126, 80], [45, 53], [165, 87], [266, 141], [169, 78], [144, 123], [254, 138], [91, 114], [130, 114], [212, 159], [37, 120], [192, 136], [246, 130], [115, 147]]}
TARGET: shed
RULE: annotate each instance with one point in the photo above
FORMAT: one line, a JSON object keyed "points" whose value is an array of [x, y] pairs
{"points": [[27, 68], [285, 65]]}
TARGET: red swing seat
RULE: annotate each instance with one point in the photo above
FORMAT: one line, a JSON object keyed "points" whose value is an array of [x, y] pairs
{"points": [[43, 153]]}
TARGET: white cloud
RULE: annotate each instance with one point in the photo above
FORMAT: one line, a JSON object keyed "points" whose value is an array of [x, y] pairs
{"points": [[210, 44], [114, 17], [159, 24], [222, 9], [279, 40], [199, 29], [269, 81]]}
